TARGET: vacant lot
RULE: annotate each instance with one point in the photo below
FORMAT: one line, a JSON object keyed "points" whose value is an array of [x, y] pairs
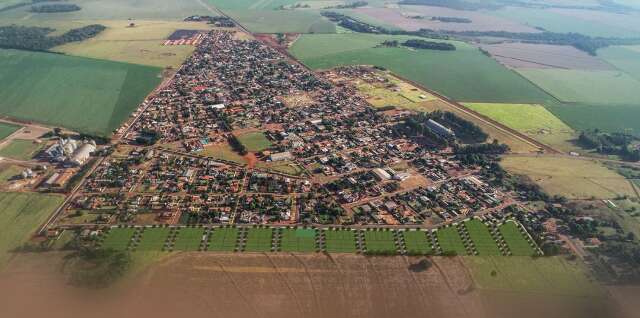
{"points": [[572, 178], [118, 238], [379, 241], [91, 96], [525, 55], [20, 216], [7, 129], [298, 240], [464, 74], [255, 141], [223, 239], [484, 243], [516, 241], [450, 241], [20, 149], [259, 240], [340, 241], [416, 242], [153, 239], [188, 239]]}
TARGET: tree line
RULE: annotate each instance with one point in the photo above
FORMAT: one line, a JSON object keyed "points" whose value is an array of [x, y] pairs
{"points": [[429, 45], [38, 39], [57, 7], [624, 145]]}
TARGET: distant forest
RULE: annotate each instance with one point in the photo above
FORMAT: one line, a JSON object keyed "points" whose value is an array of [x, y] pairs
{"points": [[57, 7], [38, 39]]}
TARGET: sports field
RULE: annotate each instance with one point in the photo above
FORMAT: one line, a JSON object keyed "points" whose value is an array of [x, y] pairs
{"points": [[223, 239], [571, 178], [255, 141], [118, 238], [91, 96], [20, 216], [416, 242], [7, 129], [340, 241], [20, 149], [188, 239], [259, 240], [450, 241], [379, 241], [465, 74], [482, 239], [516, 242], [283, 21], [153, 239], [298, 240]]}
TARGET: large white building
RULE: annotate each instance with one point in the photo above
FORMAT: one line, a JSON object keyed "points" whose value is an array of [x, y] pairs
{"points": [[70, 151]]}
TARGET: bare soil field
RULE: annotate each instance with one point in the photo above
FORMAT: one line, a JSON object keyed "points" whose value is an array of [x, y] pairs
{"points": [[524, 55], [479, 21]]}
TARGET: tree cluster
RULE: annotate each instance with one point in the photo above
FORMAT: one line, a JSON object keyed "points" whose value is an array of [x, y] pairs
{"points": [[429, 45], [451, 19], [56, 7], [620, 144], [351, 5], [97, 268], [236, 145], [38, 39]]}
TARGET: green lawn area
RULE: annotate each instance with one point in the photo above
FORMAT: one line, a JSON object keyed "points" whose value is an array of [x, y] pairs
{"points": [[7, 129], [516, 242], [255, 141], [223, 152], [482, 239], [8, 172], [153, 239], [223, 239], [286, 167], [417, 242], [465, 74], [118, 238], [450, 241], [340, 241], [259, 240], [188, 239], [283, 21], [20, 216], [298, 240], [551, 275], [88, 95], [379, 241], [20, 149]]}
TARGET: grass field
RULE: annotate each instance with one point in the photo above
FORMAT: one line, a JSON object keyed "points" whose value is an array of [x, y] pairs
{"points": [[282, 21], [379, 241], [551, 275], [416, 242], [223, 239], [577, 86], [298, 240], [20, 216], [625, 58], [255, 141], [571, 178], [118, 238], [515, 240], [340, 241], [20, 149], [482, 239], [141, 44], [91, 96], [259, 240], [8, 172], [531, 119], [464, 74], [223, 152], [283, 167], [153, 239], [610, 119], [7, 129], [189, 239], [450, 241]]}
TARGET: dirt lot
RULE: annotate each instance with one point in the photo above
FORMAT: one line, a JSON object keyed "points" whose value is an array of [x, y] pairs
{"points": [[523, 55]]}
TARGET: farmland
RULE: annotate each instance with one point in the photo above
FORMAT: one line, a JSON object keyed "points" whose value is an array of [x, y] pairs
{"points": [[282, 21], [259, 240], [619, 118], [518, 245], [118, 238], [416, 242], [91, 96], [625, 58], [340, 241], [483, 242], [525, 55], [20, 149], [7, 129], [452, 73], [379, 241], [20, 215], [153, 239], [571, 178], [223, 239], [7, 172], [298, 240], [188, 239], [450, 241]]}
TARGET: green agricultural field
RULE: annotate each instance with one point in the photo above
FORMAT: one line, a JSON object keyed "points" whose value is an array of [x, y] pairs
{"points": [[282, 21], [223, 239], [255, 141], [189, 239], [91, 96], [551, 275], [118, 238], [516, 242], [250, 4], [533, 120], [482, 239], [625, 58], [259, 240], [8, 172], [610, 119], [298, 240], [153, 239], [379, 241], [20, 149], [20, 216], [578, 86], [450, 241], [340, 241], [7, 129], [417, 242], [465, 74]]}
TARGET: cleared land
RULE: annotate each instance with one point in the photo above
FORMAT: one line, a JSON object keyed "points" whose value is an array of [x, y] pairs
{"points": [[258, 240], [340, 241], [20, 149], [379, 241], [532, 120], [141, 44], [576, 86], [282, 21], [298, 240], [7, 129], [416, 242], [482, 239], [255, 141], [571, 178], [91, 96], [20, 215], [188, 239], [525, 55], [223, 239], [516, 242], [450, 241], [465, 74]]}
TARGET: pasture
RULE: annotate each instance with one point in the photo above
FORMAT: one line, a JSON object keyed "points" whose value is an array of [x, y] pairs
{"points": [[254, 141], [298, 240], [7, 172], [339, 241], [516, 242], [20, 149], [483, 242], [416, 242], [20, 216], [282, 21], [259, 240], [223, 239], [87, 95], [7, 129], [621, 118], [465, 74], [571, 178], [379, 241], [118, 238], [188, 239], [450, 241]]}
